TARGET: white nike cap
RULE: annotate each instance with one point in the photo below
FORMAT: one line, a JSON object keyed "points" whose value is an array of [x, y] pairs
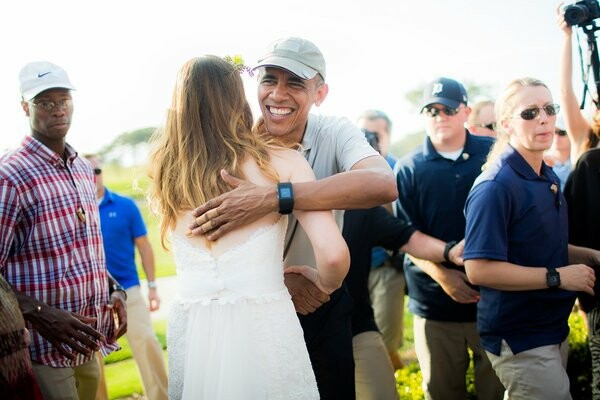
{"points": [[38, 76]]}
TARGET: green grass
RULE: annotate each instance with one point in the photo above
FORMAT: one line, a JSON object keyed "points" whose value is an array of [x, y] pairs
{"points": [[123, 380], [134, 182], [121, 373]]}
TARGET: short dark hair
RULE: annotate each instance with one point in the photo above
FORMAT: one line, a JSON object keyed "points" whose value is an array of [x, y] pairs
{"points": [[377, 114]]}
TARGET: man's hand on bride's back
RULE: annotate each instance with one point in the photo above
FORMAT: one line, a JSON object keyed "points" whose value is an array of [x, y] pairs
{"points": [[244, 204], [306, 296]]}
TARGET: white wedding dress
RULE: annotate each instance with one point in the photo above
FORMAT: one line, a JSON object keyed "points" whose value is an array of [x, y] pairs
{"points": [[233, 332]]}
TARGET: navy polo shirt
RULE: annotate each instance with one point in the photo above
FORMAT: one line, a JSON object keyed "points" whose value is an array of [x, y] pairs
{"points": [[515, 215], [432, 193], [364, 229], [121, 223], [378, 254]]}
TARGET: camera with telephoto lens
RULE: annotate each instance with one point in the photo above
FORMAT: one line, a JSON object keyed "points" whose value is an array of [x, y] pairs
{"points": [[372, 138], [582, 13]]}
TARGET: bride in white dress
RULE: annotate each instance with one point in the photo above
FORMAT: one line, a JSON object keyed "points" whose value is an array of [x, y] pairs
{"points": [[233, 332]]}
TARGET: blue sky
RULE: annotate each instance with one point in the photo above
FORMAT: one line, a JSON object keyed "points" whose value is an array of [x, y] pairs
{"points": [[123, 56]]}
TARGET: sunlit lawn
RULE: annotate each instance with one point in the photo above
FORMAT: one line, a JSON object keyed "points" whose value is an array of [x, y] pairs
{"points": [[122, 376], [134, 182]]}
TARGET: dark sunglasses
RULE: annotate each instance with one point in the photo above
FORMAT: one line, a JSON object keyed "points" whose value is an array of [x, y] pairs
{"points": [[534, 112], [97, 171], [560, 132], [433, 112], [491, 126]]}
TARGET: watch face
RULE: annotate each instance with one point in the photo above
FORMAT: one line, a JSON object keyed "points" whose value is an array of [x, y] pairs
{"points": [[285, 192], [553, 279]]}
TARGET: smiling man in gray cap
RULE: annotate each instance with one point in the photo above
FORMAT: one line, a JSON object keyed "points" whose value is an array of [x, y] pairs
{"points": [[350, 175], [51, 246]]}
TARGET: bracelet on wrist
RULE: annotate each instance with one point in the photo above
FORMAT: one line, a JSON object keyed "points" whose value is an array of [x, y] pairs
{"points": [[151, 284], [447, 249]]}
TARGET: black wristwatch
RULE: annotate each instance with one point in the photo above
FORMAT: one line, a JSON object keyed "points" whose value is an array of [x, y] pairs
{"points": [[114, 287], [285, 194], [447, 249], [552, 278]]}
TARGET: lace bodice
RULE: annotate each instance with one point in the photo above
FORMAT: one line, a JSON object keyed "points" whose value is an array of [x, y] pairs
{"points": [[250, 270]]}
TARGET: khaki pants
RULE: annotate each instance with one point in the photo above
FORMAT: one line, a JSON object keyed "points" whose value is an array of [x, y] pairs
{"points": [[441, 348], [146, 349], [75, 383], [538, 373], [373, 371], [386, 287]]}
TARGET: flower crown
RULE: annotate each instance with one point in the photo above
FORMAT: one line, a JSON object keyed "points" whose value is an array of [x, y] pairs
{"points": [[238, 62]]}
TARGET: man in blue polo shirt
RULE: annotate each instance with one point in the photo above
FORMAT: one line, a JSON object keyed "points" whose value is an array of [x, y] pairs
{"points": [[433, 184], [123, 230]]}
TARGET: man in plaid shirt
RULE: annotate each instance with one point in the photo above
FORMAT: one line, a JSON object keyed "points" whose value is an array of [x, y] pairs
{"points": [[51, 246]]}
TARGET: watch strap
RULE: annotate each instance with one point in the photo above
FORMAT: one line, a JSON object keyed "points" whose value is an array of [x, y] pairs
{"points": [[552, 278], [114, 287], [447, 249], [285, 195]]}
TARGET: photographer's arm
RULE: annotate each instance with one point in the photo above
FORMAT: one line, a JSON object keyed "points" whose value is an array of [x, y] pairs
{"points": [[577, 126]]}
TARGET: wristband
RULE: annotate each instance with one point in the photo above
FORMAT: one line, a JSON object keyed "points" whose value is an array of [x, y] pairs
{"points": [[114, 287], [151, 284], [285, 195], [552, 278], [447, 249]]}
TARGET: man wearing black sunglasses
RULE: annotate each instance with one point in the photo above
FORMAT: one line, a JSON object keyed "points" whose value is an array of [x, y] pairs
{"points": [[558, 156], [433, 184], [482, 119]]}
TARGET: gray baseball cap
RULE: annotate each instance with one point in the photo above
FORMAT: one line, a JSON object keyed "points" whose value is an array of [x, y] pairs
{"points": [[299, 56]]}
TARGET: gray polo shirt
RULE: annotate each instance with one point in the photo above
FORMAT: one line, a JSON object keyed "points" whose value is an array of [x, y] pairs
{"points": [[331, 145]]}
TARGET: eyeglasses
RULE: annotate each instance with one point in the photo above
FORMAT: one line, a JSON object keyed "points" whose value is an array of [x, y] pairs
{"points": [[534, 112], [97, 171], [51, 105], [560, 132], [491, 126], [433, 112]]}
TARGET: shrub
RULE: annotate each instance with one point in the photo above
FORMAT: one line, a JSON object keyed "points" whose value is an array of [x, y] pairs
{"points": [[579, 366]]}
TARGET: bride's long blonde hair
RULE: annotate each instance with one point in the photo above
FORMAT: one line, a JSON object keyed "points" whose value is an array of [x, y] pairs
{"points": [[208, 128]]}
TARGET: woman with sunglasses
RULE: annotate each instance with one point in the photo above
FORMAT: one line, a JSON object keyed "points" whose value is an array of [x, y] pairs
{"points": [[558, 156], [517, 252]]}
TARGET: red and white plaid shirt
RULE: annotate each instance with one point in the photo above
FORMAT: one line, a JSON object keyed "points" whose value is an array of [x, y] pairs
{"points": [[46, 250]]}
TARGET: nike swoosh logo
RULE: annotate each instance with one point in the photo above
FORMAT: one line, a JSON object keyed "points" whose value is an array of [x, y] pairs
{"points": [[45, 73]]}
